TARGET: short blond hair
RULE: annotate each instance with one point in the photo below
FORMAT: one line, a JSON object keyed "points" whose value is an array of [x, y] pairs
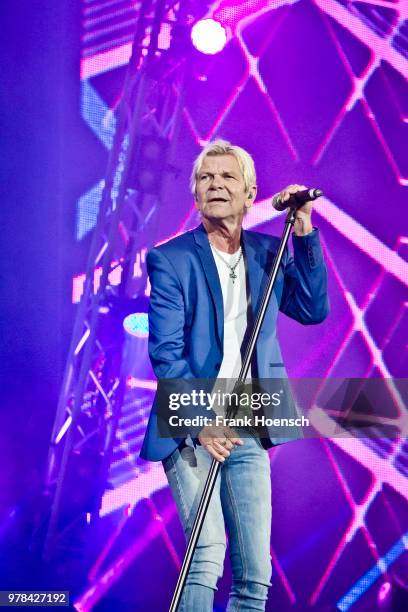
{"points": [[223, 147]]}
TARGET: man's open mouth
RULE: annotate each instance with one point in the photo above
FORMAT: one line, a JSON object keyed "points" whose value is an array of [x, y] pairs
{"points": [[219, 199]]}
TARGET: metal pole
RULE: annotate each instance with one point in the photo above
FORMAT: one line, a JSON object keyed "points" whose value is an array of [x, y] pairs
{"points": [[215, 465]]}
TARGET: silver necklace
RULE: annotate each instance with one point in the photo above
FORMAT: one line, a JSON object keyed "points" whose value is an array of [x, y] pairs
{"points": [[232, 274]]}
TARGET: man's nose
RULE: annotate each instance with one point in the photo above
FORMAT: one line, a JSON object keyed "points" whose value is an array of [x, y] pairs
{"points": [[217, 181]]}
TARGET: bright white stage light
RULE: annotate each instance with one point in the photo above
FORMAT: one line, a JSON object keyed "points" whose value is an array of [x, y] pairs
{"points": [[208, 36], [137, 324]]}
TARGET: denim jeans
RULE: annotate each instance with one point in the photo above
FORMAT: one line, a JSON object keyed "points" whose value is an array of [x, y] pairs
{"points": [[241, 506]]}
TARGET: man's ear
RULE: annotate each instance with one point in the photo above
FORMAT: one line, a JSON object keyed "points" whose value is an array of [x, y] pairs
{"points": [[251, 196], [195, 201]]}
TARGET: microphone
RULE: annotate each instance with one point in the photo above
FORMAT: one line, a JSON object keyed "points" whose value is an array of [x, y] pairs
{"points": [[296, 200]]}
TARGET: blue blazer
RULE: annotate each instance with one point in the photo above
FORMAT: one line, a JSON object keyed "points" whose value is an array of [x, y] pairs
{"points": [[186, 317]]}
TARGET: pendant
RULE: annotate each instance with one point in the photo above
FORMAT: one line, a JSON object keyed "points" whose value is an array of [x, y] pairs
{"points": [[233, 276]]}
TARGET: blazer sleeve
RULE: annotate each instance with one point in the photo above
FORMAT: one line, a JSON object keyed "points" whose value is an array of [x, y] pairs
{"points": [[304, 295], [167, 349]]}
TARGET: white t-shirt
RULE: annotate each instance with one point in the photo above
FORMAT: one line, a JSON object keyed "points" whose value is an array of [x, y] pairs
{"points": [[235, 299]]}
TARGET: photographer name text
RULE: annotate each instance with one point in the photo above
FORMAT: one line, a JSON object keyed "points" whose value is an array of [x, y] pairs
{"points": [[245, 421]]}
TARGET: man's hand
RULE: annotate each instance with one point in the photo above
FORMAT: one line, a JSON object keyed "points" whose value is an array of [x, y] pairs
{"points": [[219, 440], [303, 224]]}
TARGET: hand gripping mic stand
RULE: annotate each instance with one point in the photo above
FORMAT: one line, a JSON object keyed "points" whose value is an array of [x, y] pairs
{"points": [[215, 465]]}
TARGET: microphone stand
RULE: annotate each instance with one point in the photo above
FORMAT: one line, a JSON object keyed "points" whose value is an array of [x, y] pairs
{"points": [[216, 465]]}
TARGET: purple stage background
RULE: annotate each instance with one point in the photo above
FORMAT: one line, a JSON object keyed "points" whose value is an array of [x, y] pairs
{"points": [[317, 92]]}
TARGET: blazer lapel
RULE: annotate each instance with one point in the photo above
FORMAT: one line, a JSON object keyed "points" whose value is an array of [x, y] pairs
{"points": [[210, 270], [255, 259]]}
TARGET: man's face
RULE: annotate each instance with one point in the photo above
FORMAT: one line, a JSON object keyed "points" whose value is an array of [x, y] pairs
{"points": [[220, 188]]}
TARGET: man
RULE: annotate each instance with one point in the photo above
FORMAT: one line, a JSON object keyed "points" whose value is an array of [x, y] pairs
{"points": [[206, 286]]}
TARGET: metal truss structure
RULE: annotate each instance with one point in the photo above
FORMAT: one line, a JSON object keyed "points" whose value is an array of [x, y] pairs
{"points": [[92, 393]]}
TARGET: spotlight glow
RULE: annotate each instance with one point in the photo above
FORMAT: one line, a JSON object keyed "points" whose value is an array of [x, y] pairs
{"points": [[384, 592], [208, 36], [137, 324]]}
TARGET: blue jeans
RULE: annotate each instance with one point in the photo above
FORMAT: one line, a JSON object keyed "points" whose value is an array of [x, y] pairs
{"points": [[241, 505]]}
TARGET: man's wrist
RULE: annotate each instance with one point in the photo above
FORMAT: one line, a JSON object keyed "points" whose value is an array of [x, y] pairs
{"points": [[304, 229]]}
